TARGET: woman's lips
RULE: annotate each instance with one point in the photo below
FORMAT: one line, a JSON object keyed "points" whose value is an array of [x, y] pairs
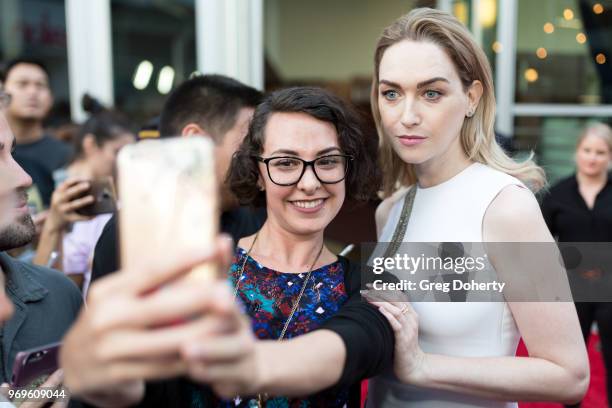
{"points": [[411, 140]]}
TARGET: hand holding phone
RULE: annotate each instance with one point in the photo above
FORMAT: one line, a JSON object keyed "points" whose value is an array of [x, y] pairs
{"points": [[67, 198], [127, 306]]}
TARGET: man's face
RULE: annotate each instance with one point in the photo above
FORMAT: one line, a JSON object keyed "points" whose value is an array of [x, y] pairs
{"points": [[225, 150], [18, 228], [31, 97]]}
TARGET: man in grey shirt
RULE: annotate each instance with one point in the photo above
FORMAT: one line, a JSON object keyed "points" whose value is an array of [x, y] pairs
{"points": [[37, 305]]}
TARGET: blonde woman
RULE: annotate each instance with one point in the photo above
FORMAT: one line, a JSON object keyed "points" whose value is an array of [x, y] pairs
{"points": [[579, 209], [433, 103]]}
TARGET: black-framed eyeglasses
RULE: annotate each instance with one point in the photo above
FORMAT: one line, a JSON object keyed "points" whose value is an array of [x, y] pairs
{"points": [[288, 170], [5, 99]]}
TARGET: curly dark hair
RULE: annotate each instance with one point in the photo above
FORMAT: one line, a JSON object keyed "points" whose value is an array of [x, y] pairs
{"points": [[363, 177]]}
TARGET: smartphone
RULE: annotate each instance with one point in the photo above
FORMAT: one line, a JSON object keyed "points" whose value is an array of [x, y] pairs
{"points": [[103, 191], [169, 203], [32, 367]]}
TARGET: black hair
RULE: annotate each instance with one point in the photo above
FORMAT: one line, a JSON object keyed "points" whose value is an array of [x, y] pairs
{"points": [[210, 101], [21, 60], [363, 177], [103, 124], [91, 104]]}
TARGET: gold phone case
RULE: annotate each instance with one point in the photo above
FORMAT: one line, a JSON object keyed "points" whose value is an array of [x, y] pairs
{"points": [[168, 201]]}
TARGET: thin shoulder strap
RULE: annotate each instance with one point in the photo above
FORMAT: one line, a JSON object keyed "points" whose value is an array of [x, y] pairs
{"points": [[400, 229]]}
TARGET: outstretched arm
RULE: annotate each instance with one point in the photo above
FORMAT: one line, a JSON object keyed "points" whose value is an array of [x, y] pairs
{"points": [[355, 343]]}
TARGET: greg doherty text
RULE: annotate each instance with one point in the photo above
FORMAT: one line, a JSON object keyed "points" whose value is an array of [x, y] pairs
{"points": [[426, 285]]}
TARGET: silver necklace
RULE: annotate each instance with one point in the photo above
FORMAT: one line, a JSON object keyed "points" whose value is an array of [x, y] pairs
{"points": [[253, 403]]}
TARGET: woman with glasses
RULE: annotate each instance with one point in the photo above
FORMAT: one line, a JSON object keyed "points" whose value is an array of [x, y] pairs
{"points": [[303, 155], [293, 323]]}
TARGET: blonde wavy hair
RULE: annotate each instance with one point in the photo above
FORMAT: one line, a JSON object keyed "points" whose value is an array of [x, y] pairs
{"points": [[477, 133]]}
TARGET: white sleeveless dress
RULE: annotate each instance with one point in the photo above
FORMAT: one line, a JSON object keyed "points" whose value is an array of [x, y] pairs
{"points": [[452, 211]]}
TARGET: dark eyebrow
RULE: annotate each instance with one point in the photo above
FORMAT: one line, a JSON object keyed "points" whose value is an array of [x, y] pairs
{"points": [[285, 151], [328, 150], [431, 81], [294, 153], [419, 85], [390, 83]]}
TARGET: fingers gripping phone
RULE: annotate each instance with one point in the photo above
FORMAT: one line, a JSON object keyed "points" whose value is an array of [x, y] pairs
{"points": [[32, 367], [168, 195]]}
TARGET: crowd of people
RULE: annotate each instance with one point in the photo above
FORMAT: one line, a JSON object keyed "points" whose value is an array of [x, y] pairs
{"points": [[293, 327]]}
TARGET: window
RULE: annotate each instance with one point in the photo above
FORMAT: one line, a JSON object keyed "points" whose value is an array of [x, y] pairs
{"points": [[37, 29], [153, 50], [563, 52], [554, 140]]}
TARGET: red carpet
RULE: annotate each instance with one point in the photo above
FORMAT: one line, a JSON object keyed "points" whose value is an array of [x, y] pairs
{"points": [[596, 395]]}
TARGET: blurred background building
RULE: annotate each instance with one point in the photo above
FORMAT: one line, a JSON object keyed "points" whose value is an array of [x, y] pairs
{"points": [[551, 58]]}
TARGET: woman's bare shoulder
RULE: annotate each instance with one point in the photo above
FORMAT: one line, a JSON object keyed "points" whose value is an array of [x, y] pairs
{"points": [[514, 215]]}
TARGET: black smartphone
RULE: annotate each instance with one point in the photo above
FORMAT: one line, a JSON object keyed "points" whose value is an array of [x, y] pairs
{"points": [[103, 191]]}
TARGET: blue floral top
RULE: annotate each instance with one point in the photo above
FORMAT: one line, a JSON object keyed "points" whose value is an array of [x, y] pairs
{"points": [[269, 296]]}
